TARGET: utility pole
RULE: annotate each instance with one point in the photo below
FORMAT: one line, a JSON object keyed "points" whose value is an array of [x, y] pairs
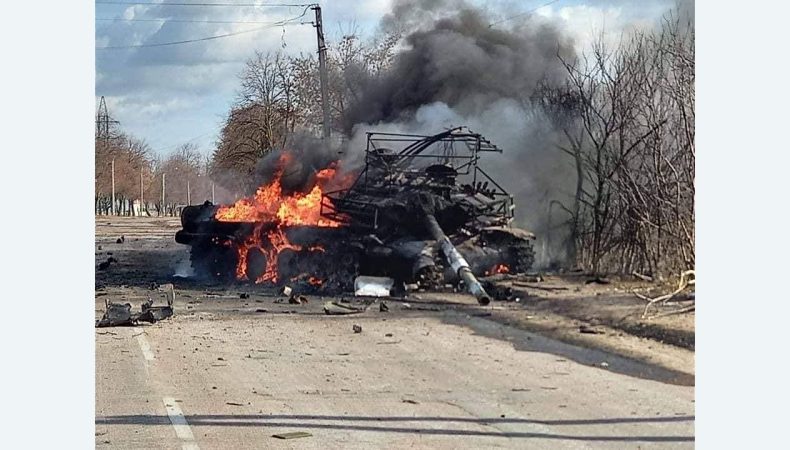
{"points": [[189, 197], [212, 192], [163, 193], [141, 191], [319, 28], [112, 177]]}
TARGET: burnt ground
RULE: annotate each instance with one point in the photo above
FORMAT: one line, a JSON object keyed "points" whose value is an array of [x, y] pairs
{"points": [[563, 307]]}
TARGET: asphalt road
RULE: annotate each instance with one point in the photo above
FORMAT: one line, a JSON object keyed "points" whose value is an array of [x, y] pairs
{"points": [[224, 374]]}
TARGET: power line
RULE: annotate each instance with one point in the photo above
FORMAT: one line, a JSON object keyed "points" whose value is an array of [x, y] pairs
{"points": [[206, 4], [281, 23], [164, 44], [121, 19], [525, 13]]}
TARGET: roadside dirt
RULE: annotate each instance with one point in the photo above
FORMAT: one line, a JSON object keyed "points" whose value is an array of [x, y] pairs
{"points": [[603, 317]]}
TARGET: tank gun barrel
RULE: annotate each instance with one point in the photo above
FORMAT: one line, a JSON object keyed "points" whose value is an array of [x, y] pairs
{"points": [[457, 261]]}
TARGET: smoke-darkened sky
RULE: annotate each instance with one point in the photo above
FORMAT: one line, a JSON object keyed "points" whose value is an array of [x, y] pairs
{"points": [[170, 95]]}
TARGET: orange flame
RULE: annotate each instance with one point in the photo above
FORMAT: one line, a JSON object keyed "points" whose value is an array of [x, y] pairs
{"points": [[271, 206], [315, 281], [498, 268]]}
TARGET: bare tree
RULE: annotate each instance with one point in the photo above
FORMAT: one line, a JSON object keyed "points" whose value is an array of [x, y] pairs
{"points": [[183, 171], [279, 95], [130, 157], [628, 122]]}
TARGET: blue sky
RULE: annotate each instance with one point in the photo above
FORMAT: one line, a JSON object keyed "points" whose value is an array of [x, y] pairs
{"points": [[175, 94]]}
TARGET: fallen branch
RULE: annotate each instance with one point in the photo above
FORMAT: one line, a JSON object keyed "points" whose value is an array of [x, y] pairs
{"points": [[686, 279], [642, 277]]}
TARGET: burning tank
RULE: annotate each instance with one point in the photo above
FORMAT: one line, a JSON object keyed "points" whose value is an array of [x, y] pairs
{"points": [[421, 211]]}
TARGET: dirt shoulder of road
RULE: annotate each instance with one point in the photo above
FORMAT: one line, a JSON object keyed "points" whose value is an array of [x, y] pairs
{"points": [[606, 318], [562, 307], [613, 305]]}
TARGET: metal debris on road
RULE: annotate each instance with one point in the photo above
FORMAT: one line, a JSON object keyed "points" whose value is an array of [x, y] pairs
{"points": [[292, 435], [120, 314], [367, 286], [297, 300], [589, 330], [337, 309], [106, 264], [357, 328]]}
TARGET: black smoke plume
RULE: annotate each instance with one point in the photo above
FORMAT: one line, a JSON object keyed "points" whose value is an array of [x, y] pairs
{"points": [[459, 60]]}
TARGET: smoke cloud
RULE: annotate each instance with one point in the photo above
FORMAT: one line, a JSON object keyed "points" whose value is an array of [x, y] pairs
{"points": [[455, 69], [461, 61]]}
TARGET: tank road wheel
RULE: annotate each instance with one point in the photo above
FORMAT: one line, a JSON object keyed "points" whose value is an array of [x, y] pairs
{"points": [[256, 264], [521, 257]]}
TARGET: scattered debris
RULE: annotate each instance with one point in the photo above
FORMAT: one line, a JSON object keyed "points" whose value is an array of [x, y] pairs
{"points": [[383, 307], [244, 295], [337, 309], [286, 291], [120, 314], [426, 308], [368, 286], [532, 279], [153, 314], [388, 335], [357, 328], [99, 248], [499, 291], [597, 280], [297, 300], [106, 264], [116, 314], [590, 330], [410, 401], [604, 364], [234, 404], [120, 240], [541, 288], [292, 435]]}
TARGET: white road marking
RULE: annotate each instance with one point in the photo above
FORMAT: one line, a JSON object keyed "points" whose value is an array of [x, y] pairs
{"points": [[147, 353], [180, 424]]}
